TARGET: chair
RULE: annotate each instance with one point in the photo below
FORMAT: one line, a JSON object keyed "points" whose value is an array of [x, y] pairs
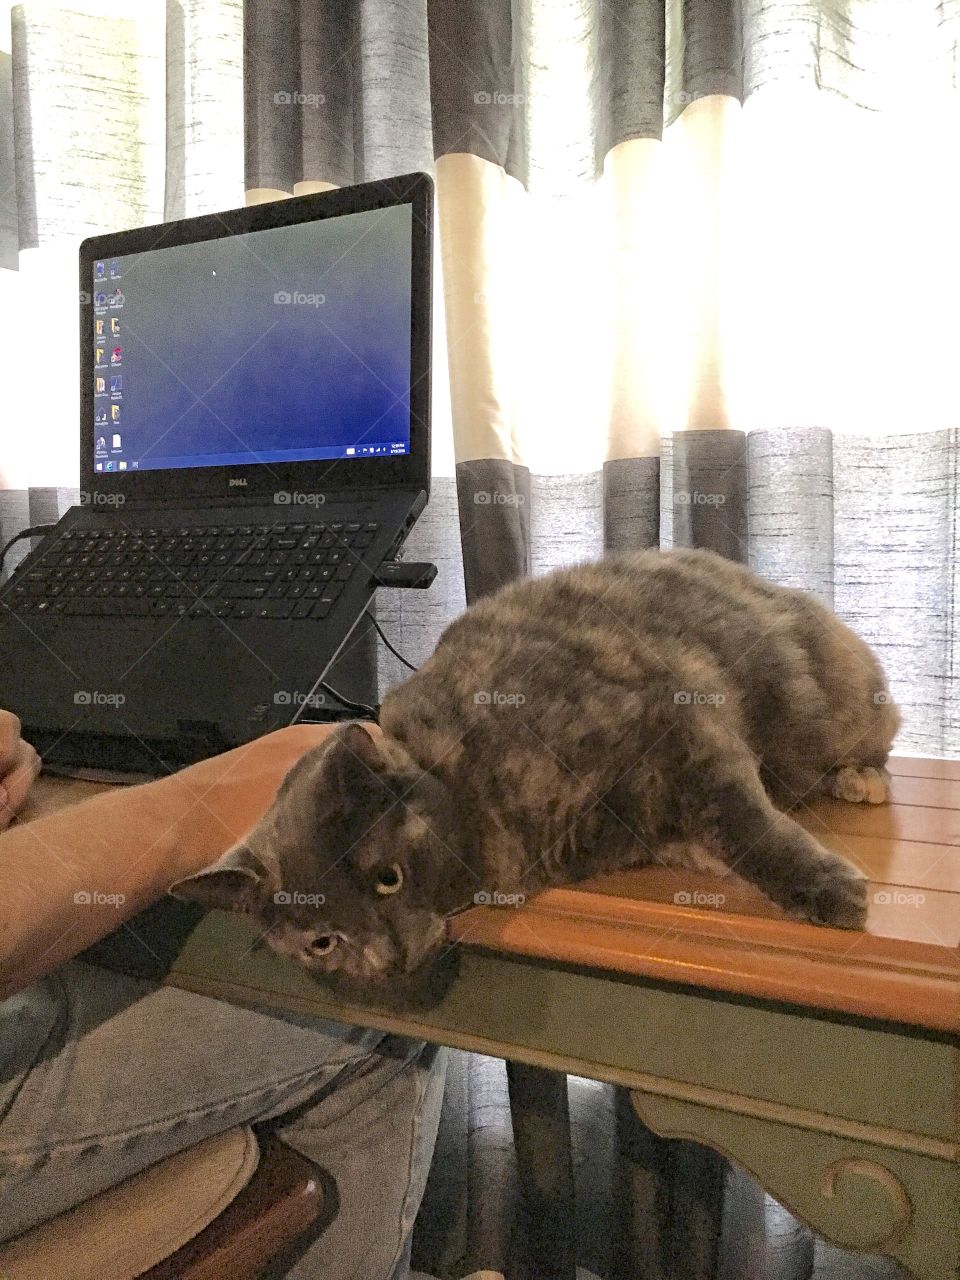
{"points": [[223, 1209]]}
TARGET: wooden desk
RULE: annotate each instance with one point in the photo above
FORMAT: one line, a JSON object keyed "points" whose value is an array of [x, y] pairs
{"points": [[826, 1063]]}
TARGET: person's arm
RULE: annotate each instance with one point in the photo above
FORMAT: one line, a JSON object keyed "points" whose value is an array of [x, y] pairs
{"points": [[73, 877], [19, 765]]}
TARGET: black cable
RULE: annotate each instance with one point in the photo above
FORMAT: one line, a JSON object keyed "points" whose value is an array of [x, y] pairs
{"points": [[360, 708], [371, 713], [34, 531], [383, 637]]}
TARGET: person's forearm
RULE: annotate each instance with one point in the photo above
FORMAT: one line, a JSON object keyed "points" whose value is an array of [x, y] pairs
{"points": [[70, 879], [67, 880]]}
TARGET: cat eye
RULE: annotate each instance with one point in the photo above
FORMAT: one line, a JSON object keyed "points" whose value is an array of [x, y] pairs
{"points": [[324, 944], [390, 880]]}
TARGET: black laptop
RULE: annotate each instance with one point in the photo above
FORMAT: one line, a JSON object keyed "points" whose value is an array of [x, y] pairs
{"points": [[254, 447]]}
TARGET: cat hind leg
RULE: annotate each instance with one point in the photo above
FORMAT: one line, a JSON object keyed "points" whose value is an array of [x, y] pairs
{"points": [[858, 784]]}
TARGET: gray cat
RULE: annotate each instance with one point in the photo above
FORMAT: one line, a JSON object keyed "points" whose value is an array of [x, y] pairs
{"points": [[605, 716]]}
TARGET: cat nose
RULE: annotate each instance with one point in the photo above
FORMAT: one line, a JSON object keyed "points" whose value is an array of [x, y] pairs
{"points": [[433, 938]]}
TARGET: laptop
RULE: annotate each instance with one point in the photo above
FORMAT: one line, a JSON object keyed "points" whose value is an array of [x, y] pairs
{"points": [[254, 446]]}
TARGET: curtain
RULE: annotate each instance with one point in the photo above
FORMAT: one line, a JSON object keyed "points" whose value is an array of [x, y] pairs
{"points": [[699, 285]]}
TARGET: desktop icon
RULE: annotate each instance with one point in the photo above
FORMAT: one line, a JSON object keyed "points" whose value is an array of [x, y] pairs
{"points": [[100, 299], [114, 413], [109, 466], [114, 270], [98, 328], [100, 270], [100, 355], [101, 444], [116, 298], [99, 386], [100, 418], [99, 466], [115, 326], [116, 355], [116, 440], [116, 383], [122, 465]]}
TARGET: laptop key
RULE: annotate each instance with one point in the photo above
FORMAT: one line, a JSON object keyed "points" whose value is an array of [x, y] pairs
{"points": [[275, 609], [302, 609]]}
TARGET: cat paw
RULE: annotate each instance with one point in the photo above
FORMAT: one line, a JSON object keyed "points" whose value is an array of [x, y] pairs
{"points": [[859, 784], [834, 895]]}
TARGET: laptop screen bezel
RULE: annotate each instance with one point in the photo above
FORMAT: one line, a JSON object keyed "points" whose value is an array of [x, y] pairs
{"points": [[243, 481]]}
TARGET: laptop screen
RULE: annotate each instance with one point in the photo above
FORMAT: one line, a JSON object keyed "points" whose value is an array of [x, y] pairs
{"points": [[282, 345]]}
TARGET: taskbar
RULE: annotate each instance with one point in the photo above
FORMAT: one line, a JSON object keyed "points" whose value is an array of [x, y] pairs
{"points": [[393, 449]]}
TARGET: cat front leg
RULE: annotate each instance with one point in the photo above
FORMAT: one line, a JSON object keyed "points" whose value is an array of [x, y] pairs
{"points": [[772, 851]]}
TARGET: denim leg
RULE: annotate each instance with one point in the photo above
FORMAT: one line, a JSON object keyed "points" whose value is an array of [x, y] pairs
{"points": [[101, 1076]]}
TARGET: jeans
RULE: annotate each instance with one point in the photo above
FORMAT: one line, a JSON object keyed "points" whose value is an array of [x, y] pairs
{"points": [[102, 1075]]}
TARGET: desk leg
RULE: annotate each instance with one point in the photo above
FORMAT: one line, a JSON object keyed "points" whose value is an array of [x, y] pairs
{"points": [[541, 1135], [672, 1200]]}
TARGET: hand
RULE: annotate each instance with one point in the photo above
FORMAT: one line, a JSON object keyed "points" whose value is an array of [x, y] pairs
{"points": [[213, 804], [19, 765]]}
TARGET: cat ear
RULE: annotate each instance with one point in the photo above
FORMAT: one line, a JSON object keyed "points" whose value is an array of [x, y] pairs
{"points": [[350, 759], [230, 883]]}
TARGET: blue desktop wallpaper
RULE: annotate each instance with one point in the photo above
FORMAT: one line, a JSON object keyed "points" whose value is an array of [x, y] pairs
{"points": [[283, 344]]}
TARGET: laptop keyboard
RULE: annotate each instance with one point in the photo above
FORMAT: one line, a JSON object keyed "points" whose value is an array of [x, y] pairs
{"points": [[280, 571]]}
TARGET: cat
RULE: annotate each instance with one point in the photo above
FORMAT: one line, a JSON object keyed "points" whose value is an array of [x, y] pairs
{"points": [[598, 717]]}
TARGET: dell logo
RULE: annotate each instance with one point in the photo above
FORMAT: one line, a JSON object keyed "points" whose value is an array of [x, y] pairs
{"points": [[236, 483]]}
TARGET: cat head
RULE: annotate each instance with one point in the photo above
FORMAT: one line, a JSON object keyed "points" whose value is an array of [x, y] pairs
{"points": [[352, 871]]}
